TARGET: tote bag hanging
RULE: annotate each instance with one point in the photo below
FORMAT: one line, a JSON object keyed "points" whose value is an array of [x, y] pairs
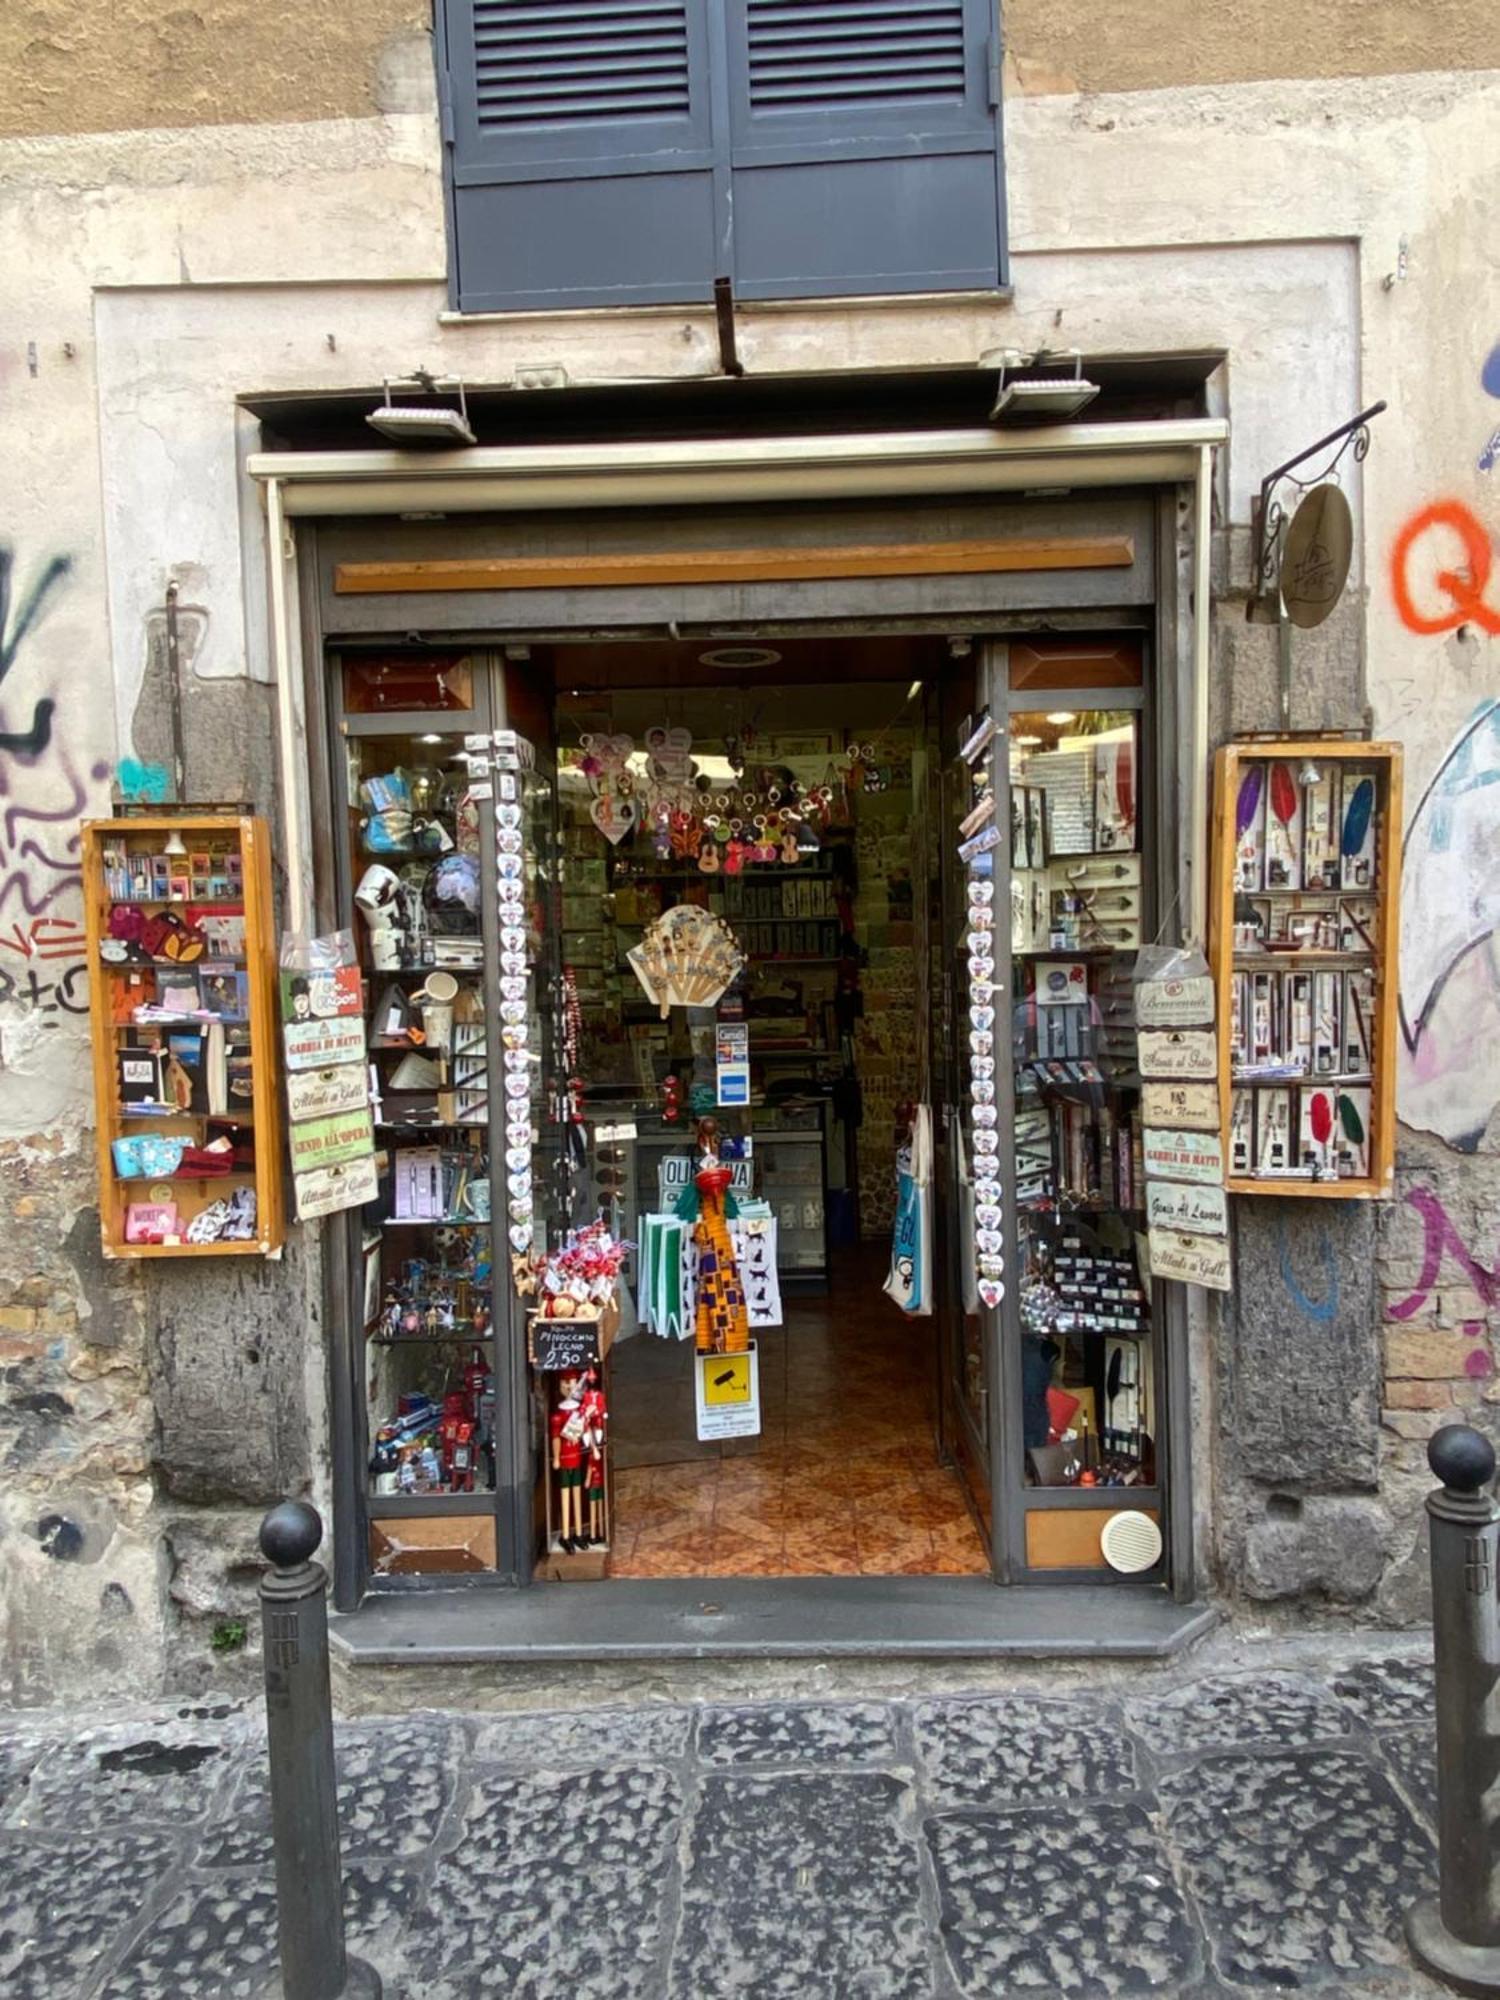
{"points": [[910, 1280]]}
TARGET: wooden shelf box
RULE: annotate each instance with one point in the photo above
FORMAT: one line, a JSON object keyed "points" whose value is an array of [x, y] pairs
{"points": [[1304, 923], [216, 877]]}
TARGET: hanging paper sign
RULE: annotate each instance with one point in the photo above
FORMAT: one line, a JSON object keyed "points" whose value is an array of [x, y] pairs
{"points": [[328, 1189], [322, 994], [1191, 1259], [1202, 1211], [318, 1093], [328, 1142], [1183, 1156], [317, 1044], [1190, 1106], [1178, 1052], [732, 1062], [1174, 1003], [728, 1394], [755, 1252]]}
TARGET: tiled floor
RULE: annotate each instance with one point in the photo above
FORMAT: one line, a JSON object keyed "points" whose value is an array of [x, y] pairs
{"points": [[843, 1480]]}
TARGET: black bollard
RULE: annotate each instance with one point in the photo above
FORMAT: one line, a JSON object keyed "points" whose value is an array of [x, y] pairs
{"points": [[1456, 1934], [304, 1794]]}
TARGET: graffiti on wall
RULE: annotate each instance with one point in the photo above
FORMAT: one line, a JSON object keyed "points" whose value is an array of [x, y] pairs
{"points": [[45, 790], [1450, 963], [1441, 1239], [1489, 381], [1440, 571]]}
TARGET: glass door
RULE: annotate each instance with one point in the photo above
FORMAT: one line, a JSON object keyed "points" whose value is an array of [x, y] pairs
{"points": [[415, 850], [966, 1125]]}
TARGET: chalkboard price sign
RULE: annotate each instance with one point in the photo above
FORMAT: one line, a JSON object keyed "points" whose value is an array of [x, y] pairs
{"points": [[559, 1345]]}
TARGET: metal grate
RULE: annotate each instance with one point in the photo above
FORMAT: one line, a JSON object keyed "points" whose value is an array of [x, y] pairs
{"points": [[841, 54], [545, 62]]}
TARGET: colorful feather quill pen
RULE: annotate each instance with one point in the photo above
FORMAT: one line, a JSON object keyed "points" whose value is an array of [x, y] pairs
{"points": [[1349, 1118], [1248, 803], [1283, 794], [1357, 817]]}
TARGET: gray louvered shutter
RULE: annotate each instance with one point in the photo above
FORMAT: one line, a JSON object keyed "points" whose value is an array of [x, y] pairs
{"points": [[581, 165], [865, 146]]}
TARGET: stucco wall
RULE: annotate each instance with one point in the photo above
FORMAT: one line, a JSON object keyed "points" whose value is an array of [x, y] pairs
{"points": [[1334, 259], [112, 65], [87, 66]]}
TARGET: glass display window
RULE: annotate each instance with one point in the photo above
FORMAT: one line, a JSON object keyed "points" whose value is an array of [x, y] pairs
{"points": [[1083, 1319]]}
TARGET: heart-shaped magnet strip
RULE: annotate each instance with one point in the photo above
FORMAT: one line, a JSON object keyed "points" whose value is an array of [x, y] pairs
{"points": [[987, 1215], [518, 1137], [513, 962], [981, 1089], [991, 1291], [518, 1159], [982, 1017], [985, 1116], [987, 1194], [514, 1037], [508, 817], [990, 1240], [513, 986], [991, 1265], [512, 937], [980, 919], [981, 892], [507, 841], [983, 1045], [520, 1236], [986, 1142], [981, 971], [518, 1060], [518, 1086], [513, 1012], [509, 868]]}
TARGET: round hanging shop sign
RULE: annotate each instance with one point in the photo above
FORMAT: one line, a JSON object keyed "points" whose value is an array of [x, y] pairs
{"points": [[1315, 556]]}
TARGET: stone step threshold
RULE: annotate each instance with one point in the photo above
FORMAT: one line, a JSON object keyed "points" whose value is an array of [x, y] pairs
{"points": [[805, 1617]]}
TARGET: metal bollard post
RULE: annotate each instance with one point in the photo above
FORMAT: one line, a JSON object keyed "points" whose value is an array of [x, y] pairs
{"points": [[1456, 1934], [304, 1795]]}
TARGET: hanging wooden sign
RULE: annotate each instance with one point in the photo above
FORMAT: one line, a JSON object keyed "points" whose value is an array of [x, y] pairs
{"points": [[1186, 1053], [1315, 556], [1193, 1107]]}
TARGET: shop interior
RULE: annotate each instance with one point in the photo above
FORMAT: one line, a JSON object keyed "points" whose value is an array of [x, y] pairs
{"points": [[795, 799]]}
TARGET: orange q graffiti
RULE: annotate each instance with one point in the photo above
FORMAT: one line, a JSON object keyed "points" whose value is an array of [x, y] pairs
{"points": [[1414, 553]]}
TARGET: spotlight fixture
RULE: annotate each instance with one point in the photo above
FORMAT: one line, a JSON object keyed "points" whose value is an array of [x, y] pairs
{"points": [[739, 659], [174, 842], [423, 423], [1041, 399], [1062, 715]]}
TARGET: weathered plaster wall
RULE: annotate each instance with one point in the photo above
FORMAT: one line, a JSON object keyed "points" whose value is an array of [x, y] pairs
{"points": [[186, 266], [84, 66], [1063, 46]]}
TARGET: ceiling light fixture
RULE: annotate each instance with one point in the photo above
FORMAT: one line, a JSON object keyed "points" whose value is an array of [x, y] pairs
{"points": [[1061, 715], [423, 423], [739, 659], [1041, 399]]}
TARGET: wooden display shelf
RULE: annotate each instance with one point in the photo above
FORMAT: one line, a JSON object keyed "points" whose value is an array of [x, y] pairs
{"points": [[247, 834], [1384, 761]]}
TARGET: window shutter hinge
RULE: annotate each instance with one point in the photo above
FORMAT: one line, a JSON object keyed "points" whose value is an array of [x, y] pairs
{"points": [[995, 53], [445, 114]]}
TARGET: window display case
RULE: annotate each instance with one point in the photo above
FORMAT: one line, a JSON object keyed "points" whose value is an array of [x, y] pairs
{"points": [[1306, 894], [182, 983]]}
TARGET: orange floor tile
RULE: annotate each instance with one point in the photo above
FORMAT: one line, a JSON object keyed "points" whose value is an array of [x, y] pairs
{"points": [[844, 1479]]}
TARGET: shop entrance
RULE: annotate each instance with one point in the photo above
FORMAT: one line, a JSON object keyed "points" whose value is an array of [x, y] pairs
{"points": [[760, 1178], [784, 801]]}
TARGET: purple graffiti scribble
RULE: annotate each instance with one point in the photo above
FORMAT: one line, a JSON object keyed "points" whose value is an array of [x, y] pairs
{"points": [[1489, 375], [17, 883], [1439, 1235], [1491, 452]]}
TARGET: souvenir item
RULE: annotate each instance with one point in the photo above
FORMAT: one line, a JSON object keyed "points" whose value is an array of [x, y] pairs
{"points": [[687, 958], [721, 1323]]}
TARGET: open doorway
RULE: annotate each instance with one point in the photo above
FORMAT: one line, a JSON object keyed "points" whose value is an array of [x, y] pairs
{"points": [[792, 792]]}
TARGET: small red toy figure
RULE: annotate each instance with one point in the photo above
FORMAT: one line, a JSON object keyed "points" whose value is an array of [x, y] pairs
{"points": [[456, 1435], [595, 1420], [568, 1428], [671, 1109]]}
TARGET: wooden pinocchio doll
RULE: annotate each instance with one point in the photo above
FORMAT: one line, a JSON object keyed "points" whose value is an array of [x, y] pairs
{"points": [[569, 1427]]}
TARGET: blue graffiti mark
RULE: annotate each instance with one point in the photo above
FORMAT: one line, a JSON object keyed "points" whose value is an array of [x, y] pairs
{"points": [[16, 620], [142, 784], [1315, 1309], [1490, 454], [1489, 375]]}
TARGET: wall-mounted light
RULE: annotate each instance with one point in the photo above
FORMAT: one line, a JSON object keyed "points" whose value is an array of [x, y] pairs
{"points": [[1061, 715], [1041, 399], [423, 423]]}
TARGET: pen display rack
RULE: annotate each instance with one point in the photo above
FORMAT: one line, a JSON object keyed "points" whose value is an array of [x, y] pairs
{"points": [[182, 994], [1306, 887]]}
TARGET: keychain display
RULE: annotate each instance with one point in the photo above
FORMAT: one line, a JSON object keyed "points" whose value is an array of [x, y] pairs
{"points": [[977, 853]]}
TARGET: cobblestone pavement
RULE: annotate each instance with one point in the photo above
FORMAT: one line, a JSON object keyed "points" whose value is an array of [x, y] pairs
{"points": [[1230, 1833]]}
